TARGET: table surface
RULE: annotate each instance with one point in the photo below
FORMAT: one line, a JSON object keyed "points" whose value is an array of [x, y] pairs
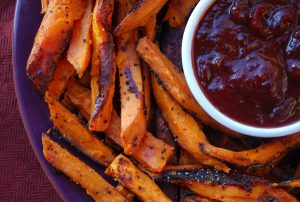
{"points": [[22, 178]]}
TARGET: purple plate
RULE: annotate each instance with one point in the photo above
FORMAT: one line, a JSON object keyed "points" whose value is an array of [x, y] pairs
{"points": [[33, 109]]}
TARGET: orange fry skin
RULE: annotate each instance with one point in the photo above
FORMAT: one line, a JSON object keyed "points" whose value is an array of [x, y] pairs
{"points": [[51, 41]]}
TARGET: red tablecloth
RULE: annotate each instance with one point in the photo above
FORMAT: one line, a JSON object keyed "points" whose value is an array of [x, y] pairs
{"points": [[21, 177]]}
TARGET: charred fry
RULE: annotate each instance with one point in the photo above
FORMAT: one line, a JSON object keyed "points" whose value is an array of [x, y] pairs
{"points": [[172, 79], [79, 52], [72, 130], [152, 152], [226, 187], [184, 128], [139, 15], [178, 11], [126, 173], [51, 40], [79, 172], [103, 66], [267, 154], [61, 76]]}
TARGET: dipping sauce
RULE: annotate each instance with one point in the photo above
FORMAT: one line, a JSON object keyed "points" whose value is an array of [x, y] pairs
{"points": [[247, 60]]}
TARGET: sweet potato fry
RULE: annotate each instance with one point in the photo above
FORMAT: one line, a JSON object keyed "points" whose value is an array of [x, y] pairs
{"points": [[51, 40], [178, 11], [72, 130], [80, 50], [139, 15], [125, 192], [133, 120], [184, 128], [44, 4], [152, 152], [153, 147], [147, 90], [163, 133], [61, 76], [79, 172], [267, 154], [103, 66], [225, 187], [150, 28], [187, 159], [172, 79], [80, 97], [126, 173], [290, 183]]}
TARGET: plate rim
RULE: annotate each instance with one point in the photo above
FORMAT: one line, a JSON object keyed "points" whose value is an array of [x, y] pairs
{"points": [[21, 106]]}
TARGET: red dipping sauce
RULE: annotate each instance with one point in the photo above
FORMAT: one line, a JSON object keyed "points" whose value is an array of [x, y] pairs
{"points": [[247, 60]]}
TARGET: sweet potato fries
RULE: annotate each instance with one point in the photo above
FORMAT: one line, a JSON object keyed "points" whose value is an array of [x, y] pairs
{"points": [[114, 96]]}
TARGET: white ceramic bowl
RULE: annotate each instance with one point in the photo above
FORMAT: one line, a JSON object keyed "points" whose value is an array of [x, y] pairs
{"points": [[187, 61]]}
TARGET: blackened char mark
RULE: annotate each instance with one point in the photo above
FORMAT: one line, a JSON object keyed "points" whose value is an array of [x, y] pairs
{"points": [[42, 64], [214, 177], [107, 74], [104, 16], [137, 6]]}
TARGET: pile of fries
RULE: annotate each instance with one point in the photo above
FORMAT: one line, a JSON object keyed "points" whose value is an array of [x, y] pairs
{"points": [[115, 97]]}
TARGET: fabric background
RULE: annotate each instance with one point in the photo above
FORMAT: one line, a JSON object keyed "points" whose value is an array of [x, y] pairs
{"points": [[21, 177]]}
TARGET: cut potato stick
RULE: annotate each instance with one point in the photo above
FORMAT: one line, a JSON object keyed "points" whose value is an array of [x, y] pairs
{"points": [[51, 40], [103, 66], [152, 152], [44, 4], [290, 183], [133, 120], [61, 76], [128, 195], [72, 130], [172, 79], [80, 50], [114, 129], [139, 15], [79, 172], [187, 159], [80, 97], [184, 128], [126, 173], [225, 187], [178, 11], [163, 133], [150, 28], [267, 154], [150, 148]]}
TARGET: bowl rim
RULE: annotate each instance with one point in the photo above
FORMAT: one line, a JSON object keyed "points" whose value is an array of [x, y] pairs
{"points": [[187, 63]]}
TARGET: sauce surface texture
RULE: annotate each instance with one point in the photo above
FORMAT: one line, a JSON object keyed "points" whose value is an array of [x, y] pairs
{"points": [[247, 60]]}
